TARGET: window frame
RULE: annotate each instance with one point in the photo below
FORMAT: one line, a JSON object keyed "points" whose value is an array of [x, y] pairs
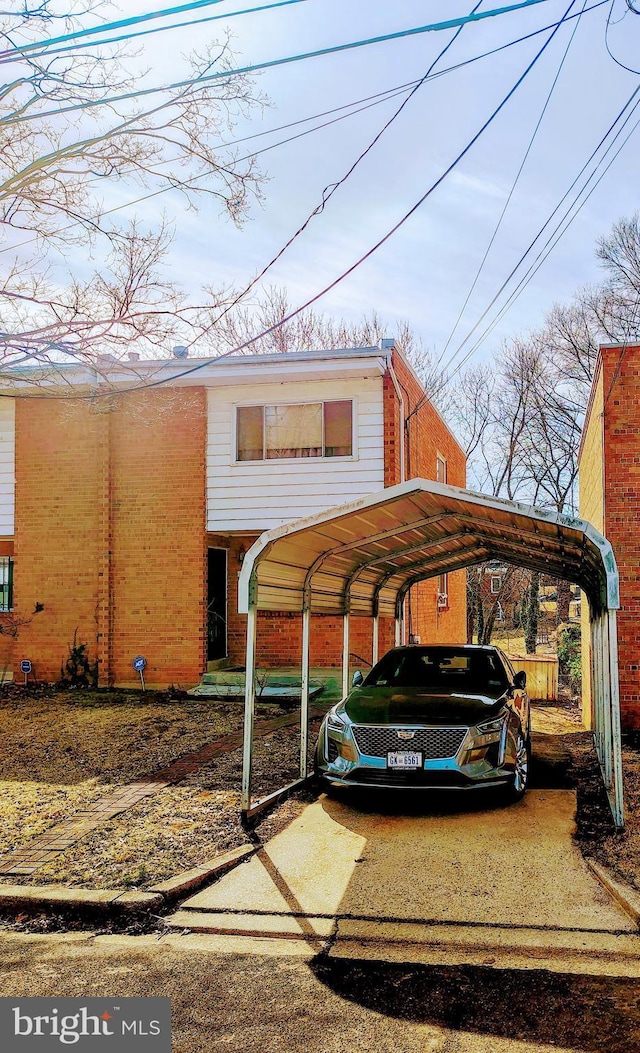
{"points": [[440, 460], [442, 599], [8, 562], [353, 456]]}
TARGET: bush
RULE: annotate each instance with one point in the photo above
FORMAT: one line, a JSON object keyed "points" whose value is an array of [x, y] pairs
{"points": [[570, 655], [78, 670]]}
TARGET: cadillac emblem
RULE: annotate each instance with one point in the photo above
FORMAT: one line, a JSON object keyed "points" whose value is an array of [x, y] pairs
{"points": [[406, 734]]}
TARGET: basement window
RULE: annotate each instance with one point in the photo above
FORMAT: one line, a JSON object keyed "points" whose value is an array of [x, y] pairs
{"points": [[6, 583], [308, 429]]}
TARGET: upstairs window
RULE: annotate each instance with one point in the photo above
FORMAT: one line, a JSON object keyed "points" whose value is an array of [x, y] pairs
{"points": [[308, 429], [441, 469]]}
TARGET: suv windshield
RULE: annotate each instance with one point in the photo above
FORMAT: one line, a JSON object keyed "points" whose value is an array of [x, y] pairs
{"points": [[442, 669]]}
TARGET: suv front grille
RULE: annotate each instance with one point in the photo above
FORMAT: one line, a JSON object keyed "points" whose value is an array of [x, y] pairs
{"points": [[433, 743]]}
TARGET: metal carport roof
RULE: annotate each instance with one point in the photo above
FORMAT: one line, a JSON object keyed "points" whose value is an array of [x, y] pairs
{"points": [[362, 557], [359, 557]]}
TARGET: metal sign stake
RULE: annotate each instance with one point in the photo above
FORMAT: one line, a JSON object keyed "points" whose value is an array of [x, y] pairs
{"points": [[139, 663]]}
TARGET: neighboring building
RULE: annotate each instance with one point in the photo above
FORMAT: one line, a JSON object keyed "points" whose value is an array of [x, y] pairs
{"points": [[130, 514], [609, 463]]}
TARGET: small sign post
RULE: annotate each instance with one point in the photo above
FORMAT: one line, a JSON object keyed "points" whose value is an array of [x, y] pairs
{"points": [[139, 664], [25, 667]]}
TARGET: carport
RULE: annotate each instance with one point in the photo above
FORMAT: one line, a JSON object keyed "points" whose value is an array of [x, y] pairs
{"points": [[362, 558]]}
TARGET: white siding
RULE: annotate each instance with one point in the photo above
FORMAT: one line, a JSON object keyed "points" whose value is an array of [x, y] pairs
{"points": [[257, 496], [7, 465]]}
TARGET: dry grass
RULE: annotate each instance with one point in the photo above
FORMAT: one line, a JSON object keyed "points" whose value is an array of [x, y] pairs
{"points": [[63, 751], [184, 825]]}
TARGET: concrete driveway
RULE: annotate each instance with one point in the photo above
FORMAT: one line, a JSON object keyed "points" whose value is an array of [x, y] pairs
{"points": [[430, 878]]}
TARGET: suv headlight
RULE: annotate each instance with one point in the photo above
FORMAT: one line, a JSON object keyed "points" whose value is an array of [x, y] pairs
{"points": [[491, 726], [489, 731], [335, 722]]}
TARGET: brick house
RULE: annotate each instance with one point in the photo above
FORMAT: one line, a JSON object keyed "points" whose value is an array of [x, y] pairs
{"points": [[609, 466], [127, 517]]}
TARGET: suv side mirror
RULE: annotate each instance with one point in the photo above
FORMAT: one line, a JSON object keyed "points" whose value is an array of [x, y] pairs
{"points": [[520, 680], [357, 678]]}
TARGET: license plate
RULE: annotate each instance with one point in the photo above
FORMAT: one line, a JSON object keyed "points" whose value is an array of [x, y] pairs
{"points": [[404, 759]]}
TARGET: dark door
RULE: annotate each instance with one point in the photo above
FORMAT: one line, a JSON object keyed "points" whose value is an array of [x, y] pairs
{"points": [[216, 604]]}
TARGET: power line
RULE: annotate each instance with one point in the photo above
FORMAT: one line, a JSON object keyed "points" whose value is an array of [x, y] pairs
{"points": [[382, 96], [123, 23], [331, 189], [549, 246], [629, 69], [513, 188], [432, 27], [11, 56], [524, 255], [370, 252]]}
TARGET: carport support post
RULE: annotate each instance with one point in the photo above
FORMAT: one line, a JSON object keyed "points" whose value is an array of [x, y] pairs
{"points": [[345, 654], [304, 689], [399, 619], [616, 733], [374, 643], [249, 705]]}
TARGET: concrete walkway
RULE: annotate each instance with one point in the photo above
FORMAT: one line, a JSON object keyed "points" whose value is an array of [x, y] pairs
{"points": [[444, 879]]}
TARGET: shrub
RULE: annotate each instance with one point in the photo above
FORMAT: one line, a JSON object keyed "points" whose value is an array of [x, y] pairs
{"points": [[570, 655], [78, 670]]}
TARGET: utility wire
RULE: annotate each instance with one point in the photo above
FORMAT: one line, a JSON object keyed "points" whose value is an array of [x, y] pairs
{"points": [[18, 53], [367, 255], [629, 69], [432, 27], [553, 239], [123, 23], [524, 255], [329, 191], [381, 96], [166, 12], [512, 190]]}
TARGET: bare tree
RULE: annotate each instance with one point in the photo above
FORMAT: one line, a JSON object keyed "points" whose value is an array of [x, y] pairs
{"points": [[234, 321], [75, 123]]}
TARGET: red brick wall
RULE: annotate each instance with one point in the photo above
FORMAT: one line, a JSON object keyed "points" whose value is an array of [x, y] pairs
{"points": [[426, 436], [621, 377], [110, 516], [158, 442], [57, 539]]}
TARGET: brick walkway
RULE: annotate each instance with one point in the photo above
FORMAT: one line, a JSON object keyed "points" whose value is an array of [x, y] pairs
{"points": [[43, 849]]}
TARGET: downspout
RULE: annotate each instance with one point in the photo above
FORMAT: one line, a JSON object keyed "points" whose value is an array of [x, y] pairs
{"points": [[394, 381], [398, 390]]}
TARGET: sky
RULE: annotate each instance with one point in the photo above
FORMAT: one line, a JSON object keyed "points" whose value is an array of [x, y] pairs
{"points": [[424, 272]]}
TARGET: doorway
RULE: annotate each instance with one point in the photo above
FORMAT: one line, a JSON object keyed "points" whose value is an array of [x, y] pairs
{"points": [[216, 604]]}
